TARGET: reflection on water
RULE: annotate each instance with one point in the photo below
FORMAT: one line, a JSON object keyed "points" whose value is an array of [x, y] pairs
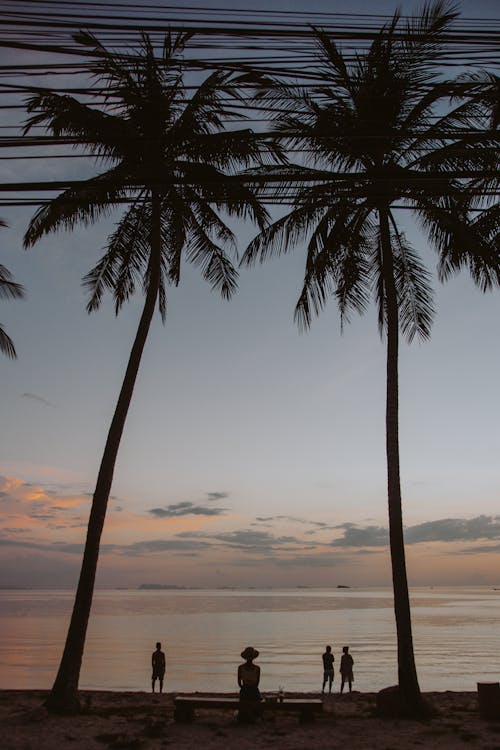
{"points": [[456, 634]]}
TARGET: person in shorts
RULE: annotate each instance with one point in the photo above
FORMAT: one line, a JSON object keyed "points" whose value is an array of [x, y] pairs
{"points": [[328, 659], [158, 664], [346, 664]]}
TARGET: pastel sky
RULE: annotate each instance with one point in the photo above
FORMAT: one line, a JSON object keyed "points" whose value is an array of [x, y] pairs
{"points": [[252, 454]]}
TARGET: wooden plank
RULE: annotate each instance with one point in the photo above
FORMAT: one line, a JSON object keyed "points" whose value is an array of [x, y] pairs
{"points": [[290, 704], [298, 702], [186, 705], [208, 702]]}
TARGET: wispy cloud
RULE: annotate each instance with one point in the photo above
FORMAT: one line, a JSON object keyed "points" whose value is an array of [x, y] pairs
{"points": [[216, 495], [250, 540], [293, 519], [186, 509], [165, 545], [38, 399], [143, 547], [479, 550]]}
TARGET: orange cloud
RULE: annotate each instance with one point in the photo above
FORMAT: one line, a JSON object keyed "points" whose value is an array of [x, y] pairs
{"points": [[37, 509]]}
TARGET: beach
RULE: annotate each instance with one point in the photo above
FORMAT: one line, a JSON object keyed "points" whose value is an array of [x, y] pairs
{"points": [[143, 721]]}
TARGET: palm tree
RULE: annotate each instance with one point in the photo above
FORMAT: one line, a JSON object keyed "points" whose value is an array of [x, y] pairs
{"points": [[9, 289], [168, 155], [480, 94], [377, 139], [492, 98]]}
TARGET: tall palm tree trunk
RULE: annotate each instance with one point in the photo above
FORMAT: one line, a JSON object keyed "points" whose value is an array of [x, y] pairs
{"points": [[64, 694], [407, 673]]}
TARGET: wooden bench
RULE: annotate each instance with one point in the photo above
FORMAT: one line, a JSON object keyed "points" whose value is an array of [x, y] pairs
{"points": [[186, 705]]}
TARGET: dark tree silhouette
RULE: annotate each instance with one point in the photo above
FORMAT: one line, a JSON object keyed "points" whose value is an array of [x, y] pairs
{"points": [[377, 134], [171, 160], [9, 289]]}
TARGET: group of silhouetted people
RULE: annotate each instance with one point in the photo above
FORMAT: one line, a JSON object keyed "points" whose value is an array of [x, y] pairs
{"points": [[346, 665], [249, 673]]}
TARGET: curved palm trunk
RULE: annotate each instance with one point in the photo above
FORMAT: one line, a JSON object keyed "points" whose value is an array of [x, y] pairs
{"points": [[407, 673], [64, 694]]}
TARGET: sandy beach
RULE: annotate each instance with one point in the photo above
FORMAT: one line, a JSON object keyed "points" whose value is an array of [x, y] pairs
{"points": [[139, 720]]}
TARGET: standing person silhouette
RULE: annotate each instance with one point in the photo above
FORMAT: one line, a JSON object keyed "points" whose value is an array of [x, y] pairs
{"points": [[248, 682], [158, 664], [346, 663], [328, 659]]}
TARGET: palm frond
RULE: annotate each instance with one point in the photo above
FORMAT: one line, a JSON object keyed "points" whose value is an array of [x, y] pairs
{"points": [[9, 289], [414, 289], [280, 236], [316, 289], [112, 68], [378, 286], [460, 241], [425, 39], [205, 110], [125, 260], [83, 203], [7, 345], [175, 44], [103, 134], [352, 272], [336, 264], [162, 300], [335, 67], [205, 215], [216, 267]]}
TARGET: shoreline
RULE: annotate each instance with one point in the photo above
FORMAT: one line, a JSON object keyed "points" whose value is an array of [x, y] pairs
{"points": [[144, 721]]}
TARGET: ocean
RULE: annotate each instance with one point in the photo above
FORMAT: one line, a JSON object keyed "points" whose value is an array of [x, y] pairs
{"points": [[456, 637]]}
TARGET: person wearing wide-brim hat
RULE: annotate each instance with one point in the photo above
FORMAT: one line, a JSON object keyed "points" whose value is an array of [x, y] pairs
{"points": [[249, 677]]}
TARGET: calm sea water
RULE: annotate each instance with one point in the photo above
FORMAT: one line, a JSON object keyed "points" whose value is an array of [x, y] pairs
{"points": [[456, 634]]}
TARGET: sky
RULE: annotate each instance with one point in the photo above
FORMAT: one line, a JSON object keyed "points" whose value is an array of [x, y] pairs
{"points": [[253, 454]]}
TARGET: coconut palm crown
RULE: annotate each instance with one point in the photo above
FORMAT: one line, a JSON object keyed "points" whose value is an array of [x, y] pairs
{"points": [[170, 161], [159, 144], [376, 135]]}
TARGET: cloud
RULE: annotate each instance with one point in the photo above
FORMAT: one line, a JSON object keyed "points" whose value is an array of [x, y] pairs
{"points": [[216, 495], [164, 545], [249, 540], [314, 561], [44, 546], [441, 530], [293, 519], [15, 530], [143, 547], [369, 536], [185, 509], [455, 530], [480, 550], [38, 399]]}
